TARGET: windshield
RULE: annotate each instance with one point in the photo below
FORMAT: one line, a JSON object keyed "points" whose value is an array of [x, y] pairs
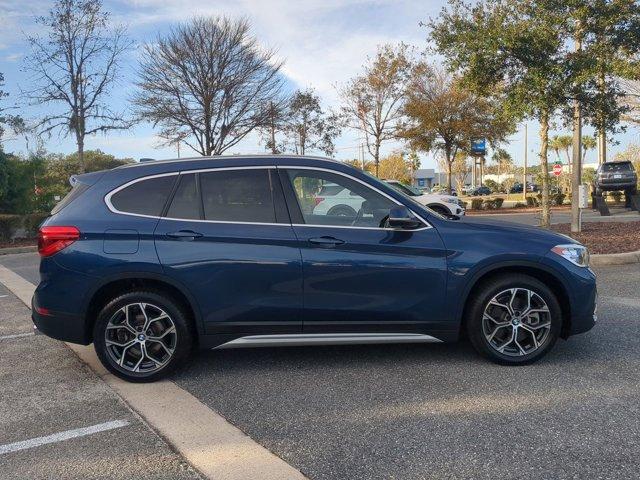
{"points": [[406, 189], [617, 167]]}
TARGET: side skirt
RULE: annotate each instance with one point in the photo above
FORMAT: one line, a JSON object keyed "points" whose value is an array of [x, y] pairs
{"points": [[301, 339]]}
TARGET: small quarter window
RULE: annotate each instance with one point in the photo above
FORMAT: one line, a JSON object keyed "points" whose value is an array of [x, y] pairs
{"points": [[146, 197]]}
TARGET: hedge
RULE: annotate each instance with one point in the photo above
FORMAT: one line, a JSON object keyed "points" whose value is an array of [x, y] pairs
{"points": [[20, 226]]}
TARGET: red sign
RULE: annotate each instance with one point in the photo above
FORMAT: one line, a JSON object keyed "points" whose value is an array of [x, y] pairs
{"points": [[557, 169]]}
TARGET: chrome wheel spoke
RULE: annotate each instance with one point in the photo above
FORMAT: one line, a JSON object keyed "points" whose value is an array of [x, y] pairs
{"points": [[525, 312], [121, 344], [168, 331], [132, 333]]}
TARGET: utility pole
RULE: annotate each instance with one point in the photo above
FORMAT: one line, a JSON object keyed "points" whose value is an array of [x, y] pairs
{"points": [[524, 170], [576, 160]]}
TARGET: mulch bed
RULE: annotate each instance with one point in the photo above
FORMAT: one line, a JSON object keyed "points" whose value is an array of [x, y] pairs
{"points": [[508, 210], [21, 242], [605, 237]]}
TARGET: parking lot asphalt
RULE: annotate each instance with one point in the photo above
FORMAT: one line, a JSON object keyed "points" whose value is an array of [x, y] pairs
{"points": [[59, 420], [431, 411]]}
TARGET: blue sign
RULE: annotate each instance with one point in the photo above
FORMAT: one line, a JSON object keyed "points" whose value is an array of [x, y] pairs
{"points": [[479, 147], [421, 182]]}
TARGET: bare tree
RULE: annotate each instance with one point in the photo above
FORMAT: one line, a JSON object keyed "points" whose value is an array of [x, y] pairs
{"points": [[75, 65], [208, 82], [307, 126], [372, 102], [14, 122]]}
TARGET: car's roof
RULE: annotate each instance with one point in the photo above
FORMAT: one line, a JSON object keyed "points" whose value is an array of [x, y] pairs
{"points": [[237, 159]]}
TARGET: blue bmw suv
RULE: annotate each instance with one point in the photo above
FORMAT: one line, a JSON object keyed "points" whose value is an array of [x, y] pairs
{"points": [[151, 260]]}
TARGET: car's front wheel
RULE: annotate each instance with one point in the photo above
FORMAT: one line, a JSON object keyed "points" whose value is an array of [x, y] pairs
{"points": [[513, 319], [142, 336]]}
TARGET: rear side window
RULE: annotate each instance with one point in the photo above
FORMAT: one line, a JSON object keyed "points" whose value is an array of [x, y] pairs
{"points": [[238, 196], [186, 201], [146, 197], [617, 167], [77, 190]]}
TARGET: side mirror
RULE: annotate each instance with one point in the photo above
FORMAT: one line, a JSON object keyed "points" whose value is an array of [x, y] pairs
{"points": [[400, 217]]}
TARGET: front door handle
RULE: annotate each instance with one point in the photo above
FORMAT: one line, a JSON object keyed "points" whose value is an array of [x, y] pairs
{"points": [[326, 241], [184, 235]]}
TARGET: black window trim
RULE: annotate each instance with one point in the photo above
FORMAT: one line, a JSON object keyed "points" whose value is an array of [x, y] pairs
{"points": [[108, 196]]}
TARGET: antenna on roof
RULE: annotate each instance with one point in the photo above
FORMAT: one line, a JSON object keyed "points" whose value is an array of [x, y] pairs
{"points": [[147, 160]]}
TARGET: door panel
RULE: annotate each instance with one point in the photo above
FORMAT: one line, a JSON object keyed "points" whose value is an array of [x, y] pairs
{"points": [[359, 276], [246, 274], [246, 278]]}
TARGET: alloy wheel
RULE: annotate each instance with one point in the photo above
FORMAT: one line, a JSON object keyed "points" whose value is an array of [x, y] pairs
{"points": [[516, 322], [140, 337]]}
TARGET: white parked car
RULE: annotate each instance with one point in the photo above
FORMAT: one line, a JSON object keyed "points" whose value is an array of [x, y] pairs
{"points": [[441, 203], [336, 200]]}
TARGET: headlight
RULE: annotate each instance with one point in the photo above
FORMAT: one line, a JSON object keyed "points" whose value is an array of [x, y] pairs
{"points": [[448, 200], [576, 254]]}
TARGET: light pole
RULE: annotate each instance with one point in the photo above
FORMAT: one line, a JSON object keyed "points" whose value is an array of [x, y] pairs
{"points": [[524, 170]]}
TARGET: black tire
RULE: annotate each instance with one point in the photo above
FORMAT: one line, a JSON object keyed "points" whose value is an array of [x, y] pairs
{"points": [[342, 211], [631, 192], [440, 209], [481, 297], [182, 339]]}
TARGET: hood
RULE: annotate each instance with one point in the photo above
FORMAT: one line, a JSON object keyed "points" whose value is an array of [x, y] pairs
{"points": [[528, 232]]}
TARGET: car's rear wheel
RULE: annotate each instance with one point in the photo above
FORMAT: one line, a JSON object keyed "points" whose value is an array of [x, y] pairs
{"points": [[142, 336], [440, 209], [513, 319], [342, 211]]}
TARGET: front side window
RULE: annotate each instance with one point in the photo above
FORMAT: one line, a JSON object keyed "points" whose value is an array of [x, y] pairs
{"points": [[354, 205], [146, 197], [238, 196]]}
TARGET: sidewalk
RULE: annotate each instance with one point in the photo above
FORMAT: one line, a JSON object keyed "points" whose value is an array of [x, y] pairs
{"points": [[59, 420]]}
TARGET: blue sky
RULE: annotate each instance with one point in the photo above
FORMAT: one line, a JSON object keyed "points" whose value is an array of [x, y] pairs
{"points": [[323, 43]]}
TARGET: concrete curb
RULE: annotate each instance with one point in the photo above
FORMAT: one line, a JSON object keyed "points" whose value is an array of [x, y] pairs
{"points": [[215, 448], [12, 250], [603, 259]]}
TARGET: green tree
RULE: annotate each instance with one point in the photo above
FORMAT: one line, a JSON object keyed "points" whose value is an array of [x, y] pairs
{"points": [[518, 47], [588, 143], [445, 117], [307, 127], [562, 143]]}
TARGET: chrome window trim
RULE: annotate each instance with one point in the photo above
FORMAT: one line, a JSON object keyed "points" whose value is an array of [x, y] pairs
{"points": [[427, 225], [110, 206]]}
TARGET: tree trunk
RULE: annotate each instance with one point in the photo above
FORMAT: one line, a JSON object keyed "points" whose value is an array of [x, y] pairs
{"points": [[449, 165], [376, 158], [80, 143], [545, 219], [576, 171]]}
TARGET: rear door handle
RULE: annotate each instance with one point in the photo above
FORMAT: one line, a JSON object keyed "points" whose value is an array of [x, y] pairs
{"points": [[184, 235], [326, 241]]}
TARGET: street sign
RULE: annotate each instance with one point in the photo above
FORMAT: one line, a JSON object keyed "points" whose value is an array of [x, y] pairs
{"points": [[557, 169], [479, 147]]}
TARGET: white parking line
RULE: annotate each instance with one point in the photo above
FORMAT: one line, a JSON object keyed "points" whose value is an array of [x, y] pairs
{"points": [[2, 296], [17, 335], [61, 436]]}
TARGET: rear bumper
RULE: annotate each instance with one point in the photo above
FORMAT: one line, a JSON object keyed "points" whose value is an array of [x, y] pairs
{"points": [[61, 326], [613, 185]]}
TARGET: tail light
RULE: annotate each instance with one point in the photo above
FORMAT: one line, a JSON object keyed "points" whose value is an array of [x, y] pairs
{"points": [[318, 200], [52, 239]]}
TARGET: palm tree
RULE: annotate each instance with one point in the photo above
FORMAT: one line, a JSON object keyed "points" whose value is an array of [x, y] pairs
{"points": [[588, 143], [558, 143]]}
